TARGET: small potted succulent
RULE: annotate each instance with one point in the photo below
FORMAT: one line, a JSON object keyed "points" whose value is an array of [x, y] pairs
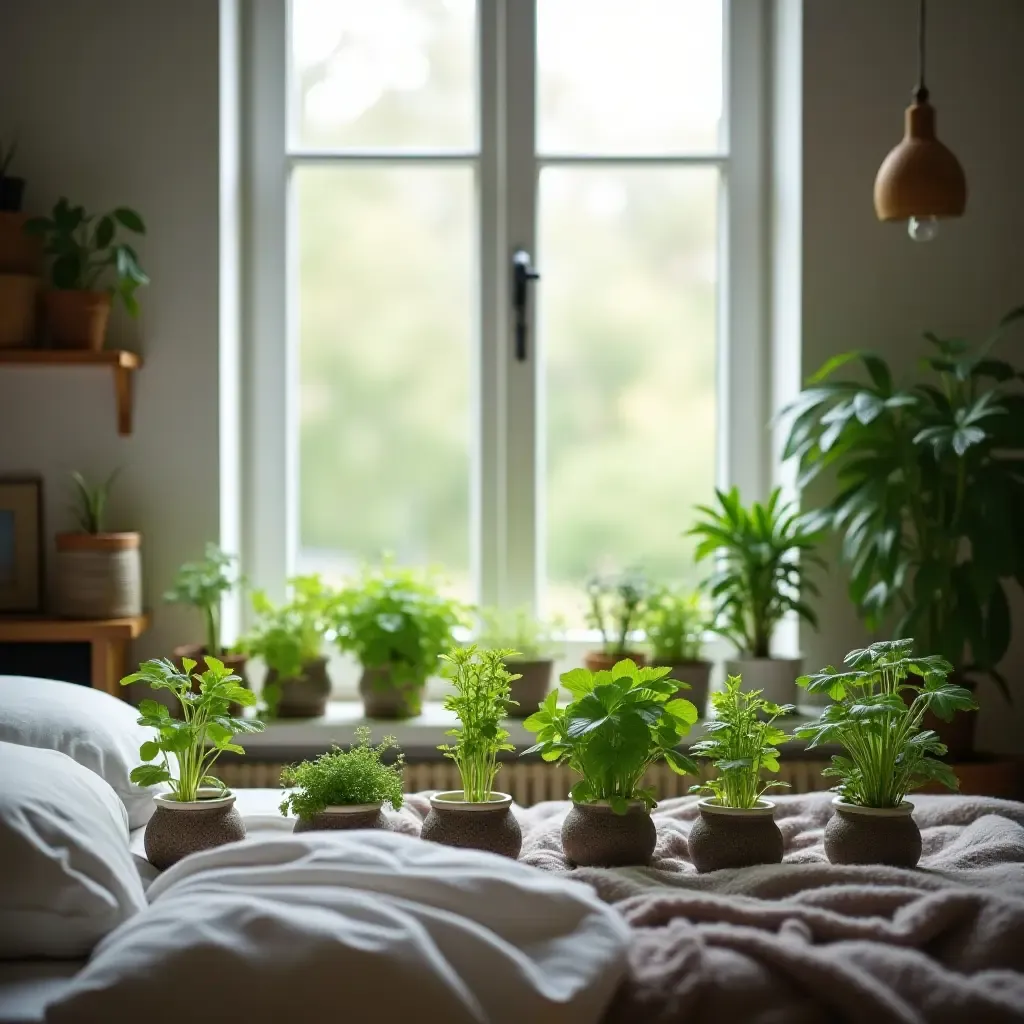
{"points": [[476, 816], [880, 700], [619, 724], [736, 827], [289, 638], [534, 660], [761, 557], [397, 623], [614, 610], [345, 789], [674, 621], [98, 574], [199, 811]]}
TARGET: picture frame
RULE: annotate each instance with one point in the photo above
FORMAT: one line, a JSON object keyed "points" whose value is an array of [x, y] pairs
{"points": [[21, 544]]}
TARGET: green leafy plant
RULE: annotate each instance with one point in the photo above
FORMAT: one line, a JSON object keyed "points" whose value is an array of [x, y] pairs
{"points": [[881, 699], [84, 250], [202, 585], [481, 683], [615, 606], [620, 722], [343, 778], [204, 732], [761, 555], [519, 630], [929, 491], [91, 504], [675, 621], [741, 743]]}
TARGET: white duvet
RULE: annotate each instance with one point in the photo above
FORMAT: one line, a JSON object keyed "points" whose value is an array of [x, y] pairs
{"points": [[355, 926]]}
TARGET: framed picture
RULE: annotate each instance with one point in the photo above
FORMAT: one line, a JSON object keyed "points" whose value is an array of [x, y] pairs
{"points": [[21, 549]]}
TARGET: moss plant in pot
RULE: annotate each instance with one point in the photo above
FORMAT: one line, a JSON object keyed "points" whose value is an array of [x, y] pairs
{"points": [[675, 621], [614, 608], [533, 662], [881, 698], [620, 723], [736, 827], [198, 813], [761, 556], [476, 816], [98, 573], [345, 789]]}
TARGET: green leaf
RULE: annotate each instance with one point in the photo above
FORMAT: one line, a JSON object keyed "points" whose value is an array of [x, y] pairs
{"points": [[149, 775], [578, 682], [149, 750], [681, 764], [619, 804], [104, 232], [66, 271], [130, 219], [868, 406], [682, 710]]}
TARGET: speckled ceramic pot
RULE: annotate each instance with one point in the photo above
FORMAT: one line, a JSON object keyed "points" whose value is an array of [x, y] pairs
{"points": [[594, 836], [341, 817], [302, 696], [490, 826], [531, 688], [734, 837], [873, 835], [178, 829], [598, 661], [383, 698]]}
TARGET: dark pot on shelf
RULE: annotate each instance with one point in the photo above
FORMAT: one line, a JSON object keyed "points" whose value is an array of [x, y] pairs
{"points": [[594, 836], [344, 817], [873, 835], [489, 826], [12, 194], [531, 688], [734, 837], [301, 696], [385, 697], [697, 674], [598, 661], [178, 829]]}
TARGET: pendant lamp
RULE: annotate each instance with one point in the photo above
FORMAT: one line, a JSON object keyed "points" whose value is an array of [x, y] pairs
{"points": [[920, 181]]}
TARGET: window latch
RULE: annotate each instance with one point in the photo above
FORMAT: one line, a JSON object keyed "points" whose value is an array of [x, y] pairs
{"points": [[522, 274]]}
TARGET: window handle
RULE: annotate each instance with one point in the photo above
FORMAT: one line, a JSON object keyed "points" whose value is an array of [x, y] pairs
{"points": [[522, 274]]}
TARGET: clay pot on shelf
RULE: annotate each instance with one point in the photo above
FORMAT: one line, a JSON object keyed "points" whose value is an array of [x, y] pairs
{"points": [[19, 253], [593, 835], [697, 674], [531, 688], [180, 828], [77, 319], [598, 661], [384, 698], [98, 575], [873, 835], [304, 695], [734, 837], [349, 816], [19, 299], [489, 826], [774, 677]]}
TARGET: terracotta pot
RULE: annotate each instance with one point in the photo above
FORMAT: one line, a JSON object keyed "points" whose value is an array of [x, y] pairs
{"points": [[77, 319], [178, 829], [697, 674], [19, 253], [530, 690], [734, 837], [343, 817], [197, 652], [490, 826], [384, 698], [12, 193], [774, 677], [302, 696], [594, 836], [19, 297], [873, 835], [98, 575], [598, 661]]}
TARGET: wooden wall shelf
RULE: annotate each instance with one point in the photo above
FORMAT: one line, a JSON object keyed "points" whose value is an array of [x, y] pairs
{"points": [[122, 363]]}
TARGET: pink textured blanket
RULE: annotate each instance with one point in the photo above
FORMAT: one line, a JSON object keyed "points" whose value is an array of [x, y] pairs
{"points": [[805, 941]]}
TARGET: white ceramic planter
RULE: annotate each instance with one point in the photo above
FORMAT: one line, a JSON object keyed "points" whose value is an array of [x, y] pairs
{"points": [[774, 677]]}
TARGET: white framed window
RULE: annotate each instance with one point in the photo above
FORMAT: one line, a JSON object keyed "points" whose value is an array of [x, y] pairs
{"points": [[399, 154]]}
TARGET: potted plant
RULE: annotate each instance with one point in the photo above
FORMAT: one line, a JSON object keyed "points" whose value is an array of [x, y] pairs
{"points": [[199, 811], [98, 574], [533, 662], [289, 638], [761, 557], [736, 827], [84, 251], [19, 271], [929, 498], [397, 623], [620, 722], [345, 789], [614, 610], [674, 621], [887, 752], [12, 189], [476, 816]]}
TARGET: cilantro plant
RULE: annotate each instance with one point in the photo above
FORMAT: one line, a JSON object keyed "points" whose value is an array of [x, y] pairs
{"points": [[614, 609], [518, 630], [204, 732], [674, 621], [202, 585], [880, 701], [741, 743], [620, 722]]}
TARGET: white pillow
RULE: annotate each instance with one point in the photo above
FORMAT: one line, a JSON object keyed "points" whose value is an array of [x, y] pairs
{"points": [[66, 875], [100, 732]]}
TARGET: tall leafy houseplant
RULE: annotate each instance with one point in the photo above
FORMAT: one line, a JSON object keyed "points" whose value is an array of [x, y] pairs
{"points": [[614, 609], [203, 585]]}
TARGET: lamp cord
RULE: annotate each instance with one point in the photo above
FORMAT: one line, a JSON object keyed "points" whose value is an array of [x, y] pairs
{"points": [[921, 91]]}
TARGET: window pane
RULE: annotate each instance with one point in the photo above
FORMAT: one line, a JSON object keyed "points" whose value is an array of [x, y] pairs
{"points": [[385, 305], [628, 325], [637, 77], [384, 73]]}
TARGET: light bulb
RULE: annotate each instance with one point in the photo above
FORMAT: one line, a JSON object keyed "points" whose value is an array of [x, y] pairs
{"points": [[923, 229]]}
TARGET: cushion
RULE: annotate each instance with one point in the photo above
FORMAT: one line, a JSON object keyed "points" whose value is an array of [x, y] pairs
{"points": [[66, 875], [100, 732]]}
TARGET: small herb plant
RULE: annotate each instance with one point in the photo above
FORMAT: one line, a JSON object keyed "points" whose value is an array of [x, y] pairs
{"points": [[614, 609], [762, 555], [674, 621], [84, 250], [91, 504], [531, 638], [204, 732], [880, 701], [481, 683], [344, 778], [202, 585], [742, 741], [619, 723]]}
